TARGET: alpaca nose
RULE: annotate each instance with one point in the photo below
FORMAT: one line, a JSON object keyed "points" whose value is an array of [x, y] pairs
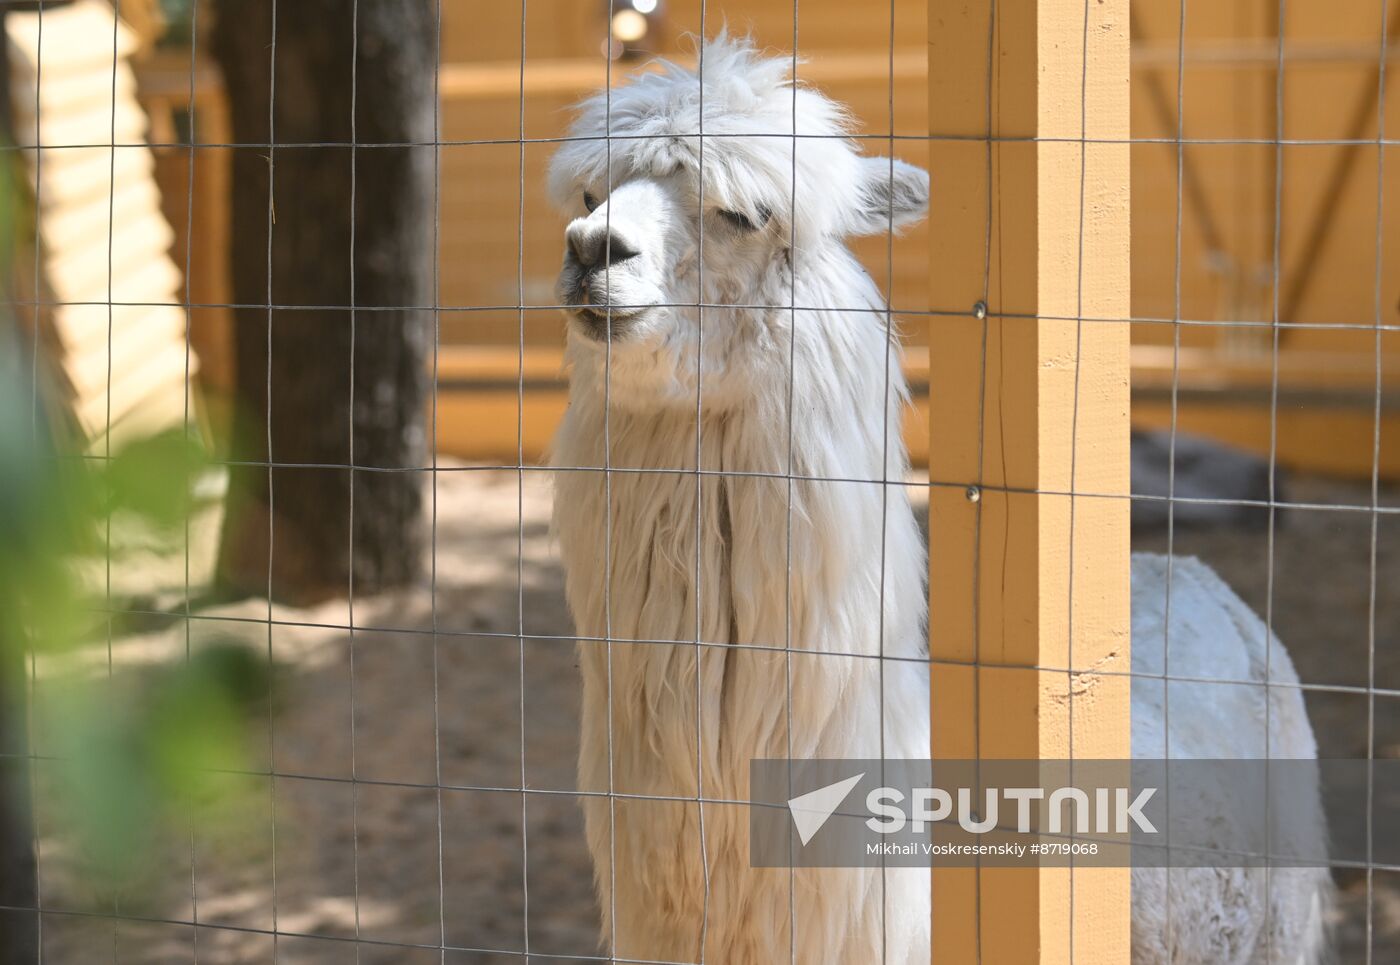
{"points": [[597, 246]]}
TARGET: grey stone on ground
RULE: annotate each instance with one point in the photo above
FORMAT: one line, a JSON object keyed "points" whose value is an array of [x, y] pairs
{"points": [[1194, 481]]}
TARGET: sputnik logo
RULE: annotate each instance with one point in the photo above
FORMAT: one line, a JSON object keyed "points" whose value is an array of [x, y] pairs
{"points": [[811, 810]]}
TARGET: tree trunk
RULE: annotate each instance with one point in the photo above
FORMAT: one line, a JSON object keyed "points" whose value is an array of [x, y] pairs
{"points": [[349, 333]]}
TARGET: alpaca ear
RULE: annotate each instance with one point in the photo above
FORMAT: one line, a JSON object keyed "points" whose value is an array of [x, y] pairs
{"points": [[892, 194]]}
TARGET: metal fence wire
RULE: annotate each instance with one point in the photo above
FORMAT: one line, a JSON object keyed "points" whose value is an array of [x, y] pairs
{"points": [[416, 795]]}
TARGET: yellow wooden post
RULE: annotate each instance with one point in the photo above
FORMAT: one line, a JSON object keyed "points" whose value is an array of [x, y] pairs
{"points": [[1029, 405]]}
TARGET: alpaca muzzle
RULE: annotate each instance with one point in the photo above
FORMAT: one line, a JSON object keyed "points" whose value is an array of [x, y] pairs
{"points": [[599, 298], [603, 324]]}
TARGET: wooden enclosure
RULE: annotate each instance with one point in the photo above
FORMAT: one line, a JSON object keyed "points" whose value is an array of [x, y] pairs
{"points": [[1188, 222], [1028, 468], [1318, 196], [102, 292], [1203, 335], [486, 222], [1222, 372]]}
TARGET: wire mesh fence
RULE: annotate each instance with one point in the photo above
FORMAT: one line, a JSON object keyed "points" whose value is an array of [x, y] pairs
{"points": [[408, 785]]}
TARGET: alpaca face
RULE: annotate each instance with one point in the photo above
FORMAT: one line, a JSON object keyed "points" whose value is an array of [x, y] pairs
{"points": [[633, 267], [706, 206]]}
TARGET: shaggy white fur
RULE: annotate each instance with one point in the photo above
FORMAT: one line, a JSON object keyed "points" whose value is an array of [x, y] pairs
{"points": [[737, 555], [1234, 915]]}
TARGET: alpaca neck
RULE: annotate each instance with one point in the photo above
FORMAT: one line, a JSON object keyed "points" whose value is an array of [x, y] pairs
{"points": [[817, 552]]}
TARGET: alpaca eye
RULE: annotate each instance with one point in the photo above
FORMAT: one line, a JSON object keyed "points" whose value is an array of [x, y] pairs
{"points": [[589, 201], [743, 221], [738, 220]]}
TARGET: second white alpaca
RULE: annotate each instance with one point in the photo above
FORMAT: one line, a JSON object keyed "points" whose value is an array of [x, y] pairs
{"points": [[731, 472]]}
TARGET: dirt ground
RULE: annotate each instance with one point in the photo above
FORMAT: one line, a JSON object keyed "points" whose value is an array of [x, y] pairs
{"points": [[429, 846]]}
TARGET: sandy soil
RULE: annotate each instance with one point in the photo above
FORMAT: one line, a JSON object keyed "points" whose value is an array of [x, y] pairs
{"points": [[394, 859]]}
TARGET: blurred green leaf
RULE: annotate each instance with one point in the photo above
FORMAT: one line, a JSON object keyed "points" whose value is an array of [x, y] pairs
{"points": [[151, 478], [133, 752], [133, 762]]}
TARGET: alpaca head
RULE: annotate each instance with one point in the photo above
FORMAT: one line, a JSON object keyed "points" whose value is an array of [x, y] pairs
{"points": [[662, 222]]}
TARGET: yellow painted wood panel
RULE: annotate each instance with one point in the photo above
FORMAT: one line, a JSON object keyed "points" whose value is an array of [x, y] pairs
{"points": [[150, 397], [1322, 199], [1231, 190], [70, 177], [474, 32], [1326, 418], [104, 238], [1308, 438], [83, 270], [67, 226], [478, 402], [85, 18], [99, 123], [846, 52], [1029, 406], [126, 345]]}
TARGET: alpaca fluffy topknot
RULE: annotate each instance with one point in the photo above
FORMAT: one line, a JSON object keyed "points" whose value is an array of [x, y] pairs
{"points": [[748, 109]]}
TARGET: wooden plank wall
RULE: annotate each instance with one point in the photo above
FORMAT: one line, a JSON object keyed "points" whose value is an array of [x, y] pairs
{"points": [[113, 318], [1227, 219], [1330, 53], [1324, 209], [194, 190], [847, 53], [481, 183], [1328, 237]]}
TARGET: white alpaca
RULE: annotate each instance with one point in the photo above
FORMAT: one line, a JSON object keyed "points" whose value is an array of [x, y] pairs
{"points": [[813, 578]]}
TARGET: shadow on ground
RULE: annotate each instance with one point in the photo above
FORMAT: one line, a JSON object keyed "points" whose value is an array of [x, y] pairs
{"points": [[432, 841]]}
